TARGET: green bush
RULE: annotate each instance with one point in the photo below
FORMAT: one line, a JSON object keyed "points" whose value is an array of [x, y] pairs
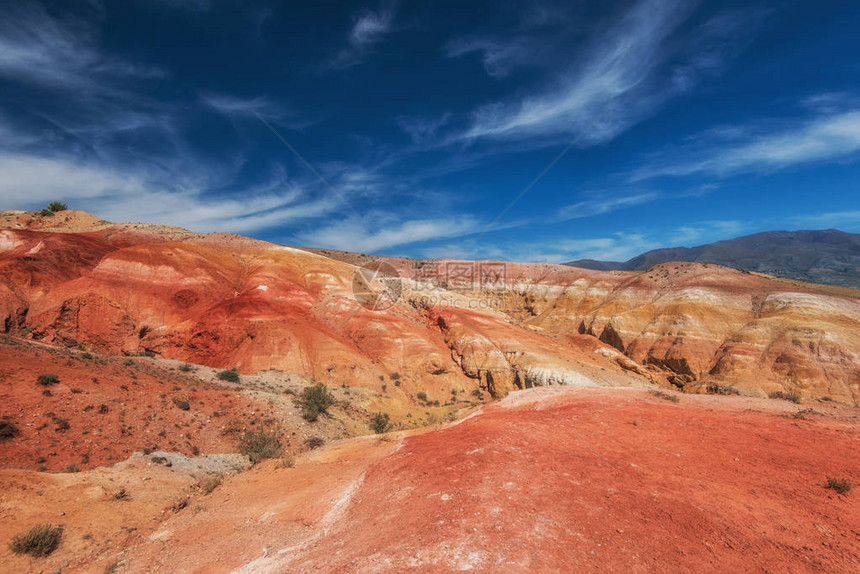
{"points": [[314, 442], [48, 379], [56, 206], [39, 541], [422, 396], [8, 430], [793, 397], [840, 485], [665, 396], [380, 423], [260, 444], [231, 376], [182, 405], [314, 401], [717, 389]]}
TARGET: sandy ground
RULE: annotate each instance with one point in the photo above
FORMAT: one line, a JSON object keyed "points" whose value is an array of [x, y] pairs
{"points": [[554, 479]]}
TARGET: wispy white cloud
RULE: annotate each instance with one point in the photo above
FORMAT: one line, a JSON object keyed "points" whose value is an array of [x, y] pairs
{"points": [[614, 247], [260, 106], [369, 28], [830, 102], [499, 56], [540, 37], [61, 53], [692, 234], [233, 106], [375, 233], [32, 181], [605, 204], [423, 129], [849, 219], [828, 137], [626, 75], [38, 180]]}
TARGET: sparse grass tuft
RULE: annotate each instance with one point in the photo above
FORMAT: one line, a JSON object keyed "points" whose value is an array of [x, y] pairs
{"points": [[793, 397], [210, 483], [717, 389], [260, 444], [803, 413], [39, 541], [186, 368], [314, 442], [840, 485], [666, 396], [122, 494]]}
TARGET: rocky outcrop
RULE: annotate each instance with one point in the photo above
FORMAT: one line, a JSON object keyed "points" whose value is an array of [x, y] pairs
{"points": [[694, 325], [227, 301]]}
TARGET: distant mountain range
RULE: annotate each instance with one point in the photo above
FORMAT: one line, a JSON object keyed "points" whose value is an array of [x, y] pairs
{"points": [[827, 256]]}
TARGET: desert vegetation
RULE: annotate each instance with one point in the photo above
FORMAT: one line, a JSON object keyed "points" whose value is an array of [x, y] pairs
{"points": [[838, 485], [666, 396], [793, 397], [314, 401], [209, 484], [314, 442], [39, 541], [230, 375], [48, 379], [260, 444], [380, 423], [8, 430], [717, 389]]}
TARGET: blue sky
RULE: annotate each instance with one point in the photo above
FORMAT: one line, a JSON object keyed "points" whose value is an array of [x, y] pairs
{"points": [[411, 128]]}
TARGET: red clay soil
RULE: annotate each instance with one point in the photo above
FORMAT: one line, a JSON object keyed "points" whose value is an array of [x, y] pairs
{"points": [[553, 479], [112, 407]]}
